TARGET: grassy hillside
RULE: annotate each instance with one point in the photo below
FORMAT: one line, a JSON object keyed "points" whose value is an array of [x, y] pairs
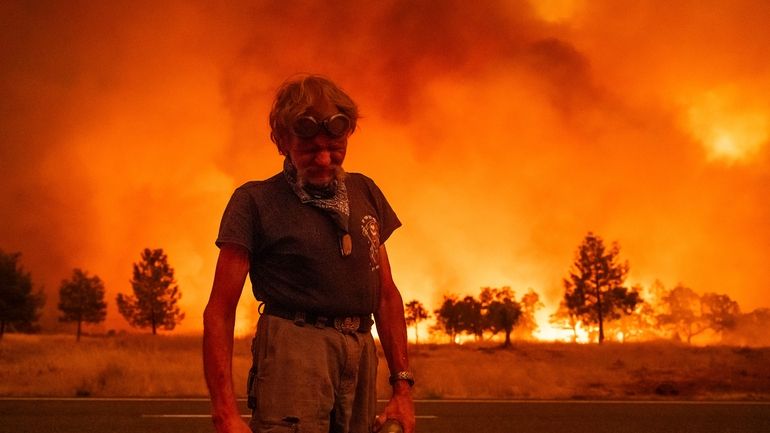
{"points": [[142, 365]]}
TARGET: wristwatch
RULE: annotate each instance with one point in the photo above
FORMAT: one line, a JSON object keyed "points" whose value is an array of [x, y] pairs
{"points": [[402, 375]]}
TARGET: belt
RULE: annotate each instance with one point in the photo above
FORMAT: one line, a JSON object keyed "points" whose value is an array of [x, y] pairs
{"points": [[344, 324]]}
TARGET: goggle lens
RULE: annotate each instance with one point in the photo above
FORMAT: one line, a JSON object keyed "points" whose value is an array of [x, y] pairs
{"points": [[337, 125], [307, 127]]}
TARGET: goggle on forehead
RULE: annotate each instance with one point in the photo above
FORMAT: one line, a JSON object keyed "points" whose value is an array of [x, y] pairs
{"points": [[336, 126]]}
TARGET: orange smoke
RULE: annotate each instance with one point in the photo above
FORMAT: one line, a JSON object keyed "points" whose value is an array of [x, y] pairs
{"points": [[501, 134]]}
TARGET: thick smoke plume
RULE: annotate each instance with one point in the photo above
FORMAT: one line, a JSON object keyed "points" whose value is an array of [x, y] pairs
{"points": [[501, 132]]}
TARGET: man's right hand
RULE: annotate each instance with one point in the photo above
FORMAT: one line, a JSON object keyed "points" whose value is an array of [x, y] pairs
{"points": [[399, 408]]}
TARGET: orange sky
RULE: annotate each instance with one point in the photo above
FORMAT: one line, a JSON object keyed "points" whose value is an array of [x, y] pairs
{"points": [[501, 133]]}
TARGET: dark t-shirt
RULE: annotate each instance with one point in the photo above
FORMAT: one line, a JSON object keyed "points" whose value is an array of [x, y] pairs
{"points": [[295, 259]]}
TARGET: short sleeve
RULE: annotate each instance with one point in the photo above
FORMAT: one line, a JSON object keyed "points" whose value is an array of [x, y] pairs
{"points": [[239, 221], [389, 221]]}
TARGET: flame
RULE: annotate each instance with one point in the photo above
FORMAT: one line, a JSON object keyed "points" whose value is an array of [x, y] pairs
{"points": [[730, 129], [500, 137], [557, 10], [546, 331]]}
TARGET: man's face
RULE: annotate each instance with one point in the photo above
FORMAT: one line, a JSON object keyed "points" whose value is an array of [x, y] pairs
{"points": [[318, 159]]}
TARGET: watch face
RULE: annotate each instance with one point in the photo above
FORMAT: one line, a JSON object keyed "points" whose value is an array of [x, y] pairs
{"points": [[403, 375]]}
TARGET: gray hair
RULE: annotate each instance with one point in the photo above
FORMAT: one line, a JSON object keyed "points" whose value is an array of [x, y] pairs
{"points": [[299, 93]]}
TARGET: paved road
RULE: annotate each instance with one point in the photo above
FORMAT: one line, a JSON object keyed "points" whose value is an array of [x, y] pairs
{"points": [[476, 416]]}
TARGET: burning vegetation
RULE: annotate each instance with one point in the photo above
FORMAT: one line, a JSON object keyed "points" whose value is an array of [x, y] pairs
{"points": [[500, 131], [596, 306]]}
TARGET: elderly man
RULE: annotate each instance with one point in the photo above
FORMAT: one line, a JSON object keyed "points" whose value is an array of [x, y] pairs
{"points": [[311, 238]]}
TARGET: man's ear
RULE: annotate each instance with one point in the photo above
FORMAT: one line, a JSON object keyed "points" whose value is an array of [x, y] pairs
{"points": [[283, 147]]}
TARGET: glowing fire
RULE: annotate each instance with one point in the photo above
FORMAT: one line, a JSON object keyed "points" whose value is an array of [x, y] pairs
{"points": [[556, 10], [548, 332], [730, 130], [500, 137]]}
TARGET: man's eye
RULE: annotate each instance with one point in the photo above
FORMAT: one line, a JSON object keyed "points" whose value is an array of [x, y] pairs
{"points": [[308, 150]]}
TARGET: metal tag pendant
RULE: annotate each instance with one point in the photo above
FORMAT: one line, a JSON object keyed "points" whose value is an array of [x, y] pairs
{"points": [[346, 245]]}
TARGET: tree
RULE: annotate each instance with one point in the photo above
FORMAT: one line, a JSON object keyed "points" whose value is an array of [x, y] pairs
{"points": [[19, 305], [750, 329], [447, 317], [720, 312], [469, 317], [81, 299], [594, 290], [565, 318], [641, 324], [502, 312], [529, 303], [154, 302], [682, 313], [415, 313]]}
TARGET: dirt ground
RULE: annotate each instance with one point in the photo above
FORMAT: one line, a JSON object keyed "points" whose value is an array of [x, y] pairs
{"points": [[581, 371], [170, 366]]}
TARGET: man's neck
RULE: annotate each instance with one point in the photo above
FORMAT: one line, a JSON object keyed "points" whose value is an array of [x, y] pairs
{"points": [[320, 191]]}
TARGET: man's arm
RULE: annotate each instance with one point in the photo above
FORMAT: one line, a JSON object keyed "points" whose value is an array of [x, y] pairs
{"points": [[218, 327], [391, 327]]}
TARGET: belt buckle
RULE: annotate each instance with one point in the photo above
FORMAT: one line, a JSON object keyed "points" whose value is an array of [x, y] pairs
{"points": [[347, 325]]}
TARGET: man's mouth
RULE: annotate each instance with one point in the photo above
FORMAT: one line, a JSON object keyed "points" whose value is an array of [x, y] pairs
{"points": [[321, 177]]}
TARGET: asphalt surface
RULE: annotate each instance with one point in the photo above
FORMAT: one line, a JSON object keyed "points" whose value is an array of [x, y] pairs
{"points": [[456, 416]]}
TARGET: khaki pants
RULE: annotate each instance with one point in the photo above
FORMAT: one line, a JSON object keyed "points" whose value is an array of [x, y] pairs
{"points": [[312, 380]]}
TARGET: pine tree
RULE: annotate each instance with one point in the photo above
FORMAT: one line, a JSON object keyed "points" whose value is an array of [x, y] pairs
{"points": [[594, 290], [19, 305], [81, 299], [154, 302]]}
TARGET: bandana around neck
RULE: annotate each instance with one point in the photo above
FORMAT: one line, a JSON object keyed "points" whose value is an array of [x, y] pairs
{"points": [[332, 200]]}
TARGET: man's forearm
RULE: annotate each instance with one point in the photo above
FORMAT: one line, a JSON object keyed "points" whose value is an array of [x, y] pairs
{"points": [[391, 327], [217, 364], [218, 326]]}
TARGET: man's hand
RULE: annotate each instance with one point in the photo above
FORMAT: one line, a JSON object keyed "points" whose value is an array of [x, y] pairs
{"points": [[400, 408]]}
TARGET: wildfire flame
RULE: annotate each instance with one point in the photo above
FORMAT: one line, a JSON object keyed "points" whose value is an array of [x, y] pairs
{"points": [[501, 133], [729, 130]]}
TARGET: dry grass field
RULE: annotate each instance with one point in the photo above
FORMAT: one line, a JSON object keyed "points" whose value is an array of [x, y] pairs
{"points": [[163, 366]]}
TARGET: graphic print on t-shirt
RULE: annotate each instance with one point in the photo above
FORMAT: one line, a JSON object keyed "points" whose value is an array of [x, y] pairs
{"points": [[371, 231]]}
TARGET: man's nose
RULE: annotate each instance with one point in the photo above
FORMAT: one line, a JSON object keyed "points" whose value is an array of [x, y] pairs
{"points": [[323, 158]]}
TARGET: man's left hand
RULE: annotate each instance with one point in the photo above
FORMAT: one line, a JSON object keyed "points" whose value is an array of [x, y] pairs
{"points": [[399, 408]]}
